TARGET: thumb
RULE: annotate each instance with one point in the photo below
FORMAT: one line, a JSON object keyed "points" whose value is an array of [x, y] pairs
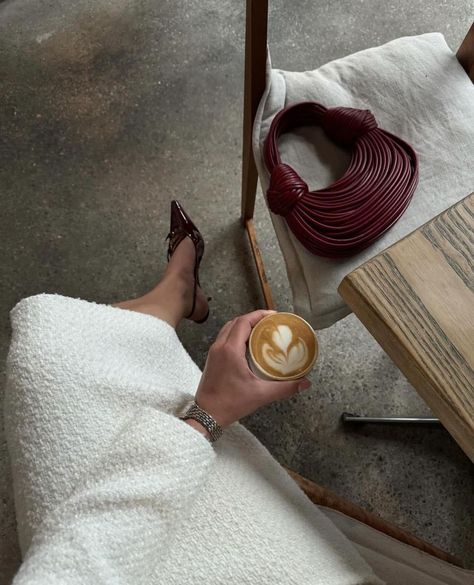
{"points": [[288, 389]]}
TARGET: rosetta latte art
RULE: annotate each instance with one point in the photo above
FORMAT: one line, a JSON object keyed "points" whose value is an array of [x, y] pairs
{"points": [[285, 354]]}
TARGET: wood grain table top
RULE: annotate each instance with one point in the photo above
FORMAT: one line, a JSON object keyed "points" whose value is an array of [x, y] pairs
{"points": [[417, 299]]}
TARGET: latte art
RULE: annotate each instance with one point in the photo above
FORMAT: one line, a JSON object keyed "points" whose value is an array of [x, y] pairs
{"points": [[282, 346], [285, 354]]}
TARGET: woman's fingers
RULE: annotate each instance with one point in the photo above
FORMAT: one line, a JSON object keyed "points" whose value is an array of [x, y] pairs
{"points": [[224, 332], [281, 390], [242, 326], [228, 390]]}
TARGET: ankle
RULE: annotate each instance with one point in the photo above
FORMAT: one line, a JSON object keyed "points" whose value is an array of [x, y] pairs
{"points": [[173, 288], [176, 282]]}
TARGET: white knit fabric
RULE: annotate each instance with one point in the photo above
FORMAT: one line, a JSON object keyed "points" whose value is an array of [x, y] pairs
{"points": [[417, 90], [111, 487]]}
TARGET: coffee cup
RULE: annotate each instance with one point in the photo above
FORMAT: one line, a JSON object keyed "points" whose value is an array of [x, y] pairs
{"points": [[282, 346]]}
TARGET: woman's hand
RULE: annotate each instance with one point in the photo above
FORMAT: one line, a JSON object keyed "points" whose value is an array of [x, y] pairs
{"points": [[229, 390]]}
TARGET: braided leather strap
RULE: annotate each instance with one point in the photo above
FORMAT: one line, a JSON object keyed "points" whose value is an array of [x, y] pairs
{"points": [[349, 215], [201, 416]]}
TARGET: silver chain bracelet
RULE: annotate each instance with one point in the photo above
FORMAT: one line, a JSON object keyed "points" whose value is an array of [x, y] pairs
{"points": [[201, 416]]}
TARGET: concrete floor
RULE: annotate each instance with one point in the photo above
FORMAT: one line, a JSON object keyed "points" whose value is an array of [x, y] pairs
{"points": [[111, 108]]}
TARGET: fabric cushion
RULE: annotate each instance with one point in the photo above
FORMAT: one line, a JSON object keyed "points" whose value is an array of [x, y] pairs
{"points": [[417, 90]]}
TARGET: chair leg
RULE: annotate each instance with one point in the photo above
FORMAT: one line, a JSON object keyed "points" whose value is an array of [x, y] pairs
{"points": [[254, 86], [426, 421], [249, 179], [266, 290], [323, 497]]}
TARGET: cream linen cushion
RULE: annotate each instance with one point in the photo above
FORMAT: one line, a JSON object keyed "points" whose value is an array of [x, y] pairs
{"points": [[417, 90]]}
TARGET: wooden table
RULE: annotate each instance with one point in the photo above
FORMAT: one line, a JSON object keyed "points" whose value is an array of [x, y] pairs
{"points": [[417, 299]]}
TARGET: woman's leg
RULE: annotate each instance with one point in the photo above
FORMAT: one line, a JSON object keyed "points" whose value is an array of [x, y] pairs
{"points": [[172, 298]]}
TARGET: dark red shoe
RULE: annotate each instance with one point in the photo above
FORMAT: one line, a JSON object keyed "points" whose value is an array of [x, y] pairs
{"points": [[181, 226]]}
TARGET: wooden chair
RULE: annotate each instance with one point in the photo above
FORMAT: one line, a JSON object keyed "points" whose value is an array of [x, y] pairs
{"points": [[255, 79]]}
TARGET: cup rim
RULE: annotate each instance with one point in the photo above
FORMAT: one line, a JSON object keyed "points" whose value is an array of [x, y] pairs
{"points": [[284, 378]]}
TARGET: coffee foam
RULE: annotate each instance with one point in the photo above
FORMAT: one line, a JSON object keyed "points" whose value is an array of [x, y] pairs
{"points": [[283, 345]]}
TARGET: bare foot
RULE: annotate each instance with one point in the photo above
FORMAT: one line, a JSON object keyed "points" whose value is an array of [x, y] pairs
{"points": [[172, 298], [180, 274]]}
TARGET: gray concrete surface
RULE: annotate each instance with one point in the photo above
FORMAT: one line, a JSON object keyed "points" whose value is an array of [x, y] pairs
{"points": [[109, 109]]}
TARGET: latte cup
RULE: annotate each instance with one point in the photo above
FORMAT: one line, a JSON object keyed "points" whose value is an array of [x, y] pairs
{"points": [[282, 346]]}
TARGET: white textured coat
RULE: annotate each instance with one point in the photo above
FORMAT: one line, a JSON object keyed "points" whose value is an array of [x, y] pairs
{"points": [[111, 487]]}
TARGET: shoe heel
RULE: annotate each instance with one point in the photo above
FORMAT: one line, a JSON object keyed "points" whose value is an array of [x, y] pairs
{"points": [[204, 319]]}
